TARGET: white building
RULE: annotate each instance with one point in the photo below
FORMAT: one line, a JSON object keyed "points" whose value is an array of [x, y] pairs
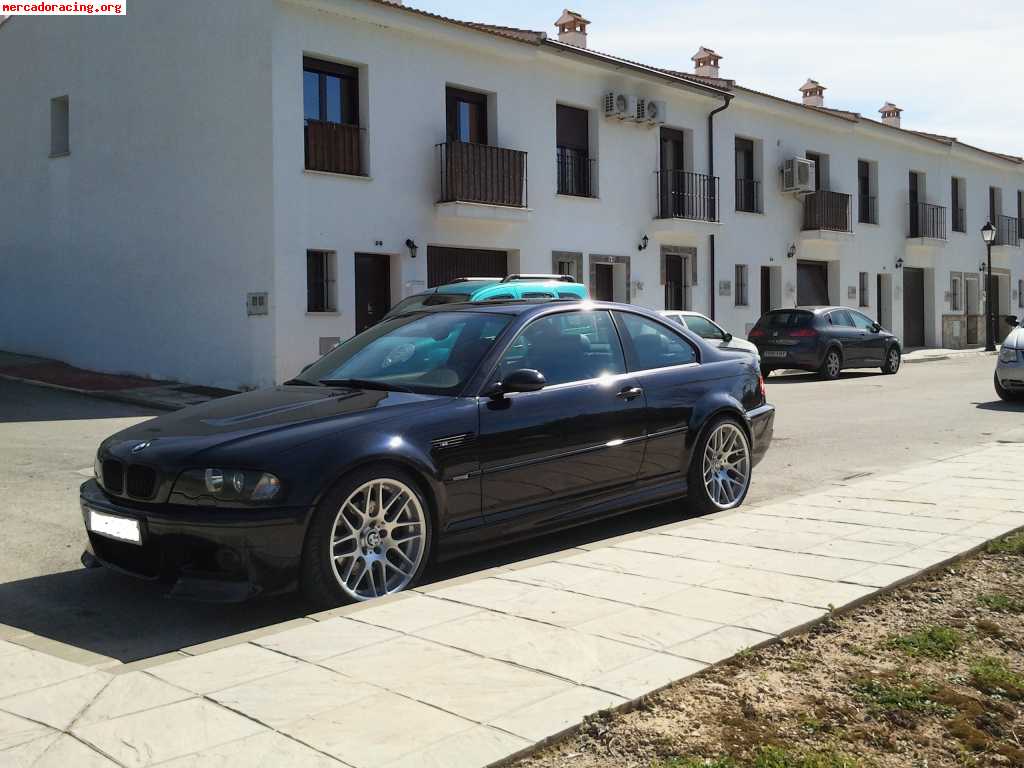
{"points": [[216, 192]]}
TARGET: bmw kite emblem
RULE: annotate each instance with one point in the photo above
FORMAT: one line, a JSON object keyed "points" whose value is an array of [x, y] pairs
{"points": [[140, 447]]}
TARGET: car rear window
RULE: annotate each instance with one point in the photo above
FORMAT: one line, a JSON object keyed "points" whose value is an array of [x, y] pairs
{"points": [[785, 319]]}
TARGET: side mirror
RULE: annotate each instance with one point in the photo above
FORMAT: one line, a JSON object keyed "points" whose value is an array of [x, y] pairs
{"points": [[727, 337], [1011, 319], [875, 327], [523, 380]]}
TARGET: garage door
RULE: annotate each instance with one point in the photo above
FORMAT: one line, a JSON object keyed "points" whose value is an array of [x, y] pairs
{"points": [[913, 307], [446, 264], [811, 283]]}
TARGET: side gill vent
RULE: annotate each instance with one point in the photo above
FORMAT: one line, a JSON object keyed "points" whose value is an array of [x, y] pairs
{"points": [[452, 441]]}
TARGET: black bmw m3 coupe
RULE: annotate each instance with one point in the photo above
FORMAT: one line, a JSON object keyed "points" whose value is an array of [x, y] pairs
{"points": [[432, 434]]}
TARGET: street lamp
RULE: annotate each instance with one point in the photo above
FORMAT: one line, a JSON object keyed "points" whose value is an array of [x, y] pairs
{"points": [[988, 234]]}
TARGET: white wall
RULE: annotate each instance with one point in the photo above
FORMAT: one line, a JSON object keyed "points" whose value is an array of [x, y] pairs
{"points": [[135, 252]]}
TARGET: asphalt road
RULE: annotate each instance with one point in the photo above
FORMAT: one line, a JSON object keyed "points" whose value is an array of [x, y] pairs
{"points": [[825, 432]]}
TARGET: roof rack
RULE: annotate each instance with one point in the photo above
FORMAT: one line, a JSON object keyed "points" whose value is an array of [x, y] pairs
{"points": [[476, 279], [558, 278]]}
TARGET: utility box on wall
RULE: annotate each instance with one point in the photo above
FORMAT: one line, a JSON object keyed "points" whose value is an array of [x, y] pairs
{"points": [[954, 331]]}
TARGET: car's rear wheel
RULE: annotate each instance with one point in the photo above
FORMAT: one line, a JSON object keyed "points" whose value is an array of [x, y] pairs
{"points": [[370, 537], [892, 360], [720, 467], [1005, 394], [831, 365]]}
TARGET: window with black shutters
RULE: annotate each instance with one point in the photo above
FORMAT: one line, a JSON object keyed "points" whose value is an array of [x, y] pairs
{"points": [[862, 293], [741, 285], [867, 210], [957, 203], [320, 282], [60, 127], [572, 146], [466, 115], [330, 103], [748, 193]]}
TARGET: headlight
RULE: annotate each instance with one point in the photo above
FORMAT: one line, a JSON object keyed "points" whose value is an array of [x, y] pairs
{"points": [[1007, 355], [239, 485]]}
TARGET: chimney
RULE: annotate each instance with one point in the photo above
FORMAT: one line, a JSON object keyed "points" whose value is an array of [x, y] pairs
{"points": [[890, 114], [814, 93], [572, 29], [705, 62]]}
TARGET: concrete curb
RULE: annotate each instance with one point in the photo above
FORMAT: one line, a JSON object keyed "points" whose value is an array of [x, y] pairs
{"points": [[948, 356], [101, 394]]}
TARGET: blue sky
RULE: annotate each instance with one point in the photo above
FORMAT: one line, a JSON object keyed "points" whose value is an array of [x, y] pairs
{"points": [[956, 68]]}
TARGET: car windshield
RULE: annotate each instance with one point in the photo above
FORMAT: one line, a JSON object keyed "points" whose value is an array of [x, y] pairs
{"points": [[430, 353], [704, 327], [421, 300]]}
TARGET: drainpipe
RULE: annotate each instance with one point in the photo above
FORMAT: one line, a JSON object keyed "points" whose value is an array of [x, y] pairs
{"points": [[711, 172]]}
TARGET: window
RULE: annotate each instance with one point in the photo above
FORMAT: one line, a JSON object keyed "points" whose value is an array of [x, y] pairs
{"points": [[840, 318], [1020, 293], [467, 116], [320, 282], [741, 285], [956, 292], [867, 204], [60, 127], [569, 346], [653, 345], [572, 146], [330, 107], [862, 293], [958, 200], [703, 327], [748, 191], [861, 322]]}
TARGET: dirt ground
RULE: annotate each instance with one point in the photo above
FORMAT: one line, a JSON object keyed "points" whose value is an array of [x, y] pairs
{"points": [[929, 675]]}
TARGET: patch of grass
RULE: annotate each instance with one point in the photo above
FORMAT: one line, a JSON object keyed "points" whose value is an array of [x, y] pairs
{"points": [[1008, 545], [770, 757], [883, 697], [992, 675], [1000, 603], [930, 642]]}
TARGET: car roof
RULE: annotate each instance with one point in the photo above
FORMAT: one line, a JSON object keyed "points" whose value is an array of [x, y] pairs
{"points": [[531, 306]]}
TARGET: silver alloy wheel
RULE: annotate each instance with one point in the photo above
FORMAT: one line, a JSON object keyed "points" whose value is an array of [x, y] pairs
{"points": [[378, 538], [832, 364], [726, 465], [894, 359]]}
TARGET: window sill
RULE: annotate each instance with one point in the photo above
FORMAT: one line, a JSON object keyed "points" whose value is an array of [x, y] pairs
{"points": [[567, 196], [325, 313], [750, 213], [868, 224], [331, 174], [60, 154]]}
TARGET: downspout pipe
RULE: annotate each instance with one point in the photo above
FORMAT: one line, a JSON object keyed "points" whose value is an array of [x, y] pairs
{"points": [[727, 98]]}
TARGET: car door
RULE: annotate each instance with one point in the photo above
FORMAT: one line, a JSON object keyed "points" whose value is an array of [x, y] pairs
{"points": [[581, 436], [872, 341], [841, 328], [667, 367]]}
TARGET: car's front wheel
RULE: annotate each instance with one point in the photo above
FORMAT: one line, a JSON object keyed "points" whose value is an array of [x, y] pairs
{"points": [[369, 537], [892, 360], [720, 468], [1005, 394]]}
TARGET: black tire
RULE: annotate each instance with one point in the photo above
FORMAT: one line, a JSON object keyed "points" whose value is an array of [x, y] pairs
{"points": [[698, 494], [1005, 394], [318, 579], [892, 360], [831, 365]]}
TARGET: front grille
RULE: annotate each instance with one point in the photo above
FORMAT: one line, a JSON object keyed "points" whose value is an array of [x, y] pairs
{"points": [[140, 481], [113, 476]]}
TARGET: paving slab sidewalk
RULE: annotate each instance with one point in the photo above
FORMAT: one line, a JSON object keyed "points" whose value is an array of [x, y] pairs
{"points": [[470, 672]]}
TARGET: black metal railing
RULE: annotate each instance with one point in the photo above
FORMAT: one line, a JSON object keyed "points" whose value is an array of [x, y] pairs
{"points": [[687, 195], [827, 210], [333, 147], [867, 209], [959, 220], [480, 173], [1007, 230], [927, 220], [575, 172], [748, 195]]}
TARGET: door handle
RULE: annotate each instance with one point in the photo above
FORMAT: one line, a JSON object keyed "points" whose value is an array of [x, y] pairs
{"points": [[630, 393]]}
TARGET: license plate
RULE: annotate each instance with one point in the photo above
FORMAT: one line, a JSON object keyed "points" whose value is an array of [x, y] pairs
{"points": [[771, 353], [120, 528]]}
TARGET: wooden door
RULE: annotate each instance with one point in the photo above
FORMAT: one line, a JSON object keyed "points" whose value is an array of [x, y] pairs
{"points": [[373, 289]]}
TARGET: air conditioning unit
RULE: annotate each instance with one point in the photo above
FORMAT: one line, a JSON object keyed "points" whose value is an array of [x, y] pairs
{"points": [[798, 175], [654, 112], [620, 105]]}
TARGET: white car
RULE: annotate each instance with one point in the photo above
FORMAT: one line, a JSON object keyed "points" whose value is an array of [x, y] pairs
{"points": [[709, 330], [1009, 376]]}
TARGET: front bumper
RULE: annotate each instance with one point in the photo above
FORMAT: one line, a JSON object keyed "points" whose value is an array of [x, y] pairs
{"points": [[762, 427], [203, 553], [1011, 374]]}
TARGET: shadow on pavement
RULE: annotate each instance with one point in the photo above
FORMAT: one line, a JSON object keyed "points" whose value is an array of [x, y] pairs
{"points": [[1001, 405], [796, 378], [127, 619], [21, 402]]}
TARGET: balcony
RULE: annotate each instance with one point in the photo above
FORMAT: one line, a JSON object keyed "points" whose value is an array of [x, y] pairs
{"points": [[748, 196], [479, 181], [1007, 231], [926, 221], [827, 212], [687, 195], [333, 147], [576, 173]]}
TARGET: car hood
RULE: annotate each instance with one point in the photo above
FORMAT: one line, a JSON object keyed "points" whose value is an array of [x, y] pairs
{"points": [[1016, 339], [262, 415]]}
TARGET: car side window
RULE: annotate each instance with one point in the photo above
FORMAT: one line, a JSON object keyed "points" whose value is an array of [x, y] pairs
{"points": [[840, 318], [568, 346], [654, 345], [704, 328], [861, 322]]}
